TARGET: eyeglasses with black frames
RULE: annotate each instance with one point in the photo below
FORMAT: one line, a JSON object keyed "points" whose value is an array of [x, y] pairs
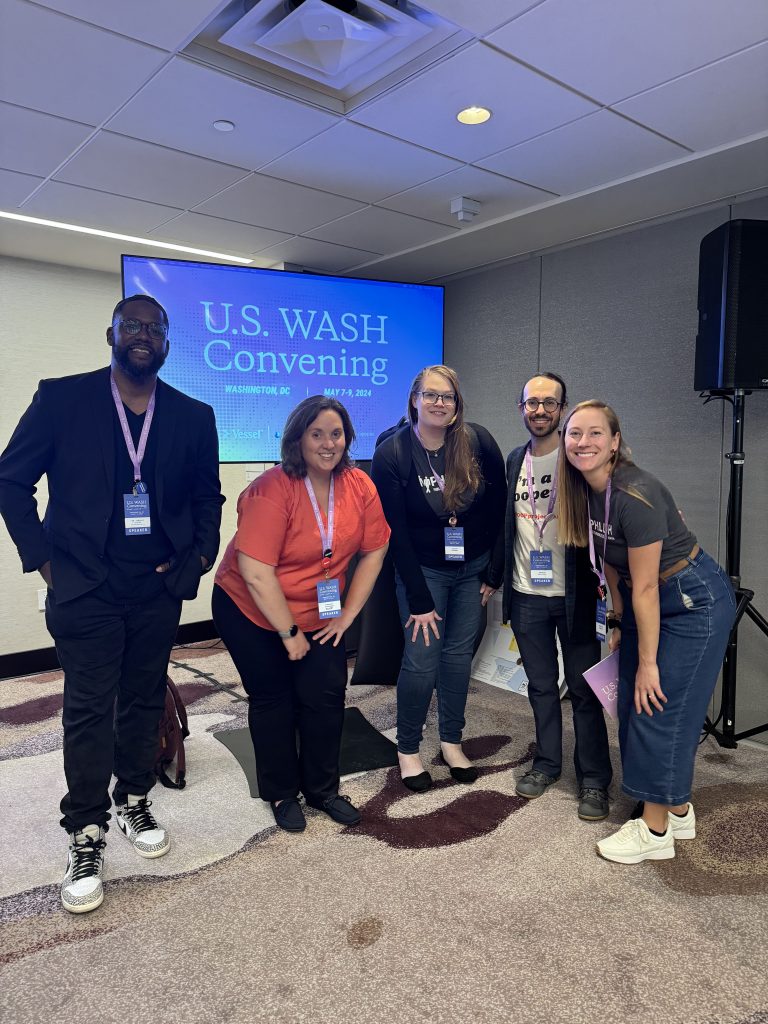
{"points": [[550, 404], [156, 331], [433, 397]]}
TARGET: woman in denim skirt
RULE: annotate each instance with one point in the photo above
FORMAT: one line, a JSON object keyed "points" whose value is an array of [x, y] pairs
{"points": [[673, 608], [442, 486]]}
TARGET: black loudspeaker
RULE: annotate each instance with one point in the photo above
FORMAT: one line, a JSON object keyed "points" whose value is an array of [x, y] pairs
{"points": [[732, 343]]}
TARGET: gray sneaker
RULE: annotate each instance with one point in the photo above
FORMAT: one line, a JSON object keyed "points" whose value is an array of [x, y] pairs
{"points": [[593, 803], [81, 889], [534, 783]]}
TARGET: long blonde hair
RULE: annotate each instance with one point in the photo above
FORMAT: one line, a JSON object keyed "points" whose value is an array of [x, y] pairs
{"points": [[462, 472], [573, 489]]}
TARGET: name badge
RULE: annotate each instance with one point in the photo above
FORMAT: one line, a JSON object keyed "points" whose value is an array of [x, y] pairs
{"points": [[601, 630], [541, 569], [136, 512], [328, 599], [454, 543]]}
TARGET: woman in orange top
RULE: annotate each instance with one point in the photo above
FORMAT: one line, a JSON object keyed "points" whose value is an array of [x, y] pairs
{"points": [[277, 606]]}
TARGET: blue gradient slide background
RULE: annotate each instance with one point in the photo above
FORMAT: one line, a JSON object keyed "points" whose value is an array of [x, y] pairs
{"points": [[247, 342]]}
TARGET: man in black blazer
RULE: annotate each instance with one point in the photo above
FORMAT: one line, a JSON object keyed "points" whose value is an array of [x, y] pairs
{"points": [[132, 522], [550, 591]]}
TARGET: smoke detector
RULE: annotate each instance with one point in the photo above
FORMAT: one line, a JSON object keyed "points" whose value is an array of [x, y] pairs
{"points": [[464, 209], [343, 46]]}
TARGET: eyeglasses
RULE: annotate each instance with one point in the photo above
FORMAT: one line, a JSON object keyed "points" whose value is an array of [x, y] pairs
{"points": [[158, 332], [550, 404], [433, 397]]}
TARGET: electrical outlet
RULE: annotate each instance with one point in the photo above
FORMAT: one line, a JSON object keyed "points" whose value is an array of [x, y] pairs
{"points": [[41, 599]]}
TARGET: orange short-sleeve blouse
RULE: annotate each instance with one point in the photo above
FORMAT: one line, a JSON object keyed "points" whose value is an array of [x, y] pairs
{"points": [[276, 525]]}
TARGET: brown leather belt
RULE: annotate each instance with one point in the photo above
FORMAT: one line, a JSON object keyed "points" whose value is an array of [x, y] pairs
{"points": [[664, 576], [672, 569]]}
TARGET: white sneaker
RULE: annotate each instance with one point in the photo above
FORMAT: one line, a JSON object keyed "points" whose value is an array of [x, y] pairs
{"points": [[634, 843], [136, 822], [683, 827], [81, 889]]}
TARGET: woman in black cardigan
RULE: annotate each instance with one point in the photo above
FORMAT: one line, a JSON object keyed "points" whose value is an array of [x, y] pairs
{"points": [[442, 486]]}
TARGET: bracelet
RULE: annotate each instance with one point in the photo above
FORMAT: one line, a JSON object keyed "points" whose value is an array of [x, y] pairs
{"points": [[613, 621]]}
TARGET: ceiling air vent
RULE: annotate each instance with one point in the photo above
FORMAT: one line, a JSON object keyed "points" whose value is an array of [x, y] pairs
{"points": [[339, 45]]}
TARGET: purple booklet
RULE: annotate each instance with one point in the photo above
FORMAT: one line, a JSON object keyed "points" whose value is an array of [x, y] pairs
{"points": [[604, 680]]}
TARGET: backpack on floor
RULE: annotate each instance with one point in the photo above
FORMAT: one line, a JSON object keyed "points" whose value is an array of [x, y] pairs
{"points": [[173, 731]]}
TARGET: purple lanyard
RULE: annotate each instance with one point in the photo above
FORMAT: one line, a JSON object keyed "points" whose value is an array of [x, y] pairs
{"points": [[552, 497], [134, 455], [326, 536], [440, 480], [593, 559]]}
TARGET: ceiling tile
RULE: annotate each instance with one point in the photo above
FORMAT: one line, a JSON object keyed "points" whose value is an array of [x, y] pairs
{"points": [[93, 209], [14, 188], [598, 148], [708, 108], [498, 196], [217, 234], [66, 67], [315, 255], [479, 17], [169, 24], [178, 108], [611, 50], [270, 203], [380, 231], [36, 143], [113, 163], [424, 110], [354, 161]]}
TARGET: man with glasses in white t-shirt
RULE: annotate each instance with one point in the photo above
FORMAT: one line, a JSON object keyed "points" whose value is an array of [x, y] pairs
{"points": [[550, 593]]}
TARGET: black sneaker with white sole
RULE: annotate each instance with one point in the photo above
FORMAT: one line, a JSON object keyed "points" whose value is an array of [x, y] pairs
{"points": [[82, 889], [138, 825]]}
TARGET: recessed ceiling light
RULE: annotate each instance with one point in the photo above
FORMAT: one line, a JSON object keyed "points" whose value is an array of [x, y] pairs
{"points": [[473, 115], [224, 126], [39, 222]]}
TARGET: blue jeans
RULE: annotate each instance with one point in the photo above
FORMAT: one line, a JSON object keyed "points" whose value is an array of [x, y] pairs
{"points": [[447, 662], [697, 608], [536, 620]]}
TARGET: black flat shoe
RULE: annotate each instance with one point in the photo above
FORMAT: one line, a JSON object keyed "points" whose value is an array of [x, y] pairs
{"points": [[465, 775], [339, 808], [289, 815], [417, 783]]}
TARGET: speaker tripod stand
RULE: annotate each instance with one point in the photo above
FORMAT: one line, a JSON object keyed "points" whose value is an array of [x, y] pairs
{"points": [[726, 735]]}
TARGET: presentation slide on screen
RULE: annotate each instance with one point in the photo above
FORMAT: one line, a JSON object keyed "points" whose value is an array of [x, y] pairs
{"points": [[254, 343]]}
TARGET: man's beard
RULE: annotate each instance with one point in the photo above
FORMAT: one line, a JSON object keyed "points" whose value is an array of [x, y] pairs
{"points": [[551, 425], [138, 372]]}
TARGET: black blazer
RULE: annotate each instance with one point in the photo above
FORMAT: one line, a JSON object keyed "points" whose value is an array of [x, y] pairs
{"points": [[580, 581], [67, 434]]}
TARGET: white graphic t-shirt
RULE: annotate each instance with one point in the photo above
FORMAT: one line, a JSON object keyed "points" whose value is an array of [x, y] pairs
{"points": [[526, 537]]}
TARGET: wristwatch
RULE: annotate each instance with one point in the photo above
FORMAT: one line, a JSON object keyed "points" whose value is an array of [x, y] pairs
{"points": [[613, 621], [287, 634]]}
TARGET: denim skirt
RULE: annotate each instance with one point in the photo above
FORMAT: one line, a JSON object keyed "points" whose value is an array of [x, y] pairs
{"points": [[697, 607]]}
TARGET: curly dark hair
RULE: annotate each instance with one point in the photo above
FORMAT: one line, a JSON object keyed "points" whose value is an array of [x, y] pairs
{"points": [[302, 417]]}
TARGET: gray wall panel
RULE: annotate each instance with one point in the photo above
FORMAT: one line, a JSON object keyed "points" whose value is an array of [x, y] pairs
{"points": [[618, 321], [492, 328]]}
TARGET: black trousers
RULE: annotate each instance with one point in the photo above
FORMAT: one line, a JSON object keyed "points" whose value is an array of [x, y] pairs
{"points": [[285, 698], [115, 662], [536, 621]]}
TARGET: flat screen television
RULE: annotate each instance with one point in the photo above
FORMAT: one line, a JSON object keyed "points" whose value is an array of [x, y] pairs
{"points": [[254, 343]]}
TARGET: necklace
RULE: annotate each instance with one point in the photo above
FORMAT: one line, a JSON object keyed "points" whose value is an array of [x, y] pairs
{"points": [[428, 448]]}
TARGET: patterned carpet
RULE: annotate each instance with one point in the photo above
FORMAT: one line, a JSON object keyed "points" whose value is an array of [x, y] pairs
{"points": [[461, 904]]}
